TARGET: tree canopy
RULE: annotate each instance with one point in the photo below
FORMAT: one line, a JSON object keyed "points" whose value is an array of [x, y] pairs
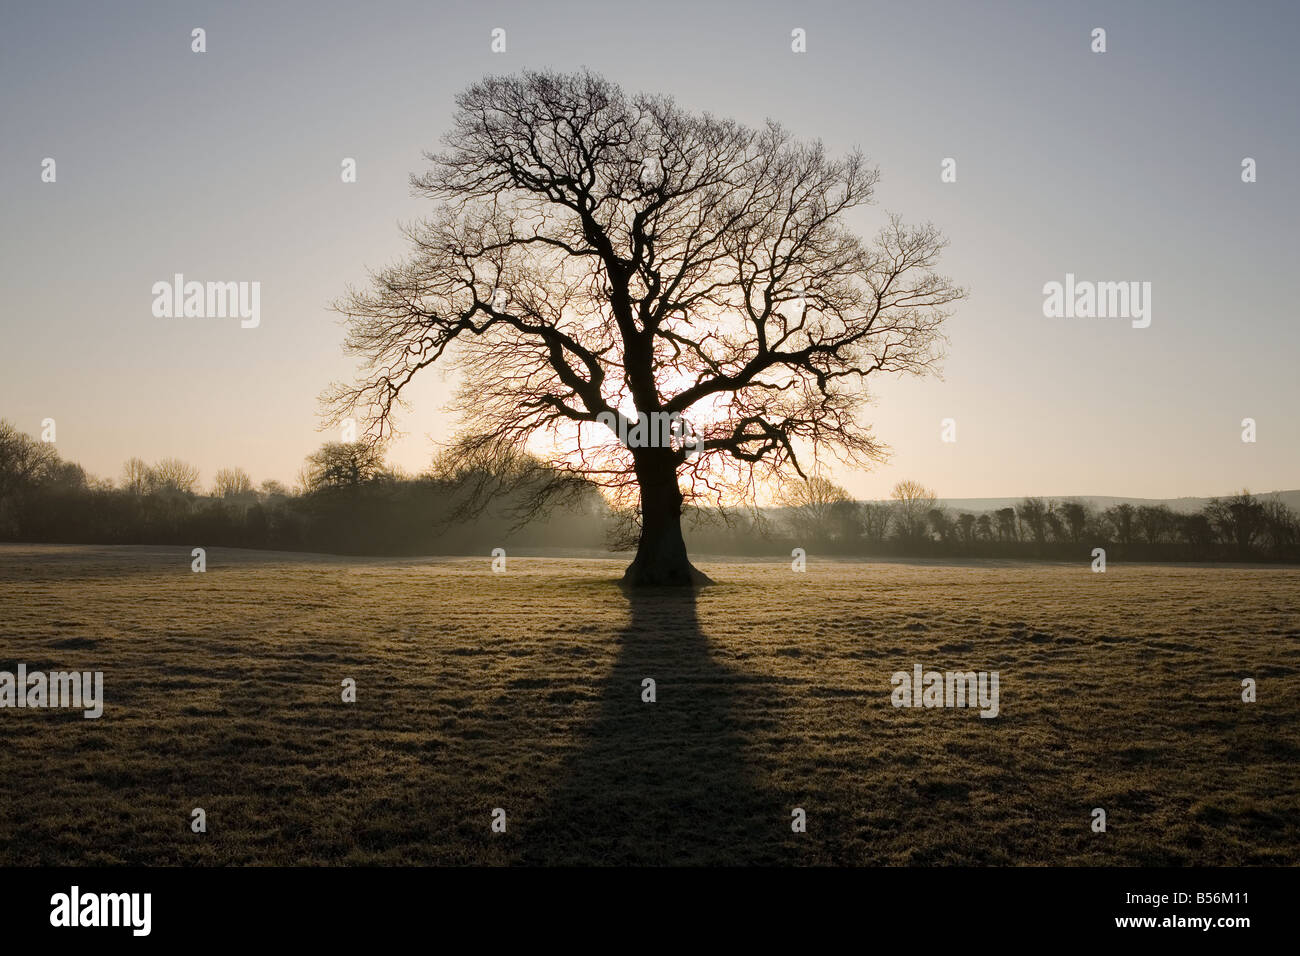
{"points": [[595, 255]]}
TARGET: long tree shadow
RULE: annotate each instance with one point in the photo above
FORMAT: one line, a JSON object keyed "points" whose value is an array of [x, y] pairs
{"points": [[668, 782]]}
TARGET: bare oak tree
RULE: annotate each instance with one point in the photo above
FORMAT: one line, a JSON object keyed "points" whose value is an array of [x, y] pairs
{"points": [[598, 260]]}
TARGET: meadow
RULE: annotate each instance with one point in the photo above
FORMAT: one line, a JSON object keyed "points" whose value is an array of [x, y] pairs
{"points": [[522, 690]]}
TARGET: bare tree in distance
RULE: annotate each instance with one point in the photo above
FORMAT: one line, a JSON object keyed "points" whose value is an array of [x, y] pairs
{"points": [[940, 522], [1238, 519], [597, 259], [173, 475], [1007, 530], [1157, 523], [877, 516], [1076, 515], [231, 483], [343, 465], [1121, 518], [136, 476], [270, 488], [913, 503], [810, 507], [1032, 514], [965, 528], [23, 459]]}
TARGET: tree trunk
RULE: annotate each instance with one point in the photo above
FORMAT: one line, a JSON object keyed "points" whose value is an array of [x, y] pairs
{"points": [[661, 552]]}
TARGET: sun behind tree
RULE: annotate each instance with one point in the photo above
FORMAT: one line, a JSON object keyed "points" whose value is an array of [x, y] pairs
{"points": [[597, 256]]}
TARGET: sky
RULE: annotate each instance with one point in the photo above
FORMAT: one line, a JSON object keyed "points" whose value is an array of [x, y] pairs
{"points": [[225, 165]]}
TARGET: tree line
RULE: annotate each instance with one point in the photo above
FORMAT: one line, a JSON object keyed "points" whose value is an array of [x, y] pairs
{"points": [[1239, 527], [348, 500]]}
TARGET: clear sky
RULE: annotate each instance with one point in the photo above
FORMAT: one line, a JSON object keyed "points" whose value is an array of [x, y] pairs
{"points": [[1120, 166]]}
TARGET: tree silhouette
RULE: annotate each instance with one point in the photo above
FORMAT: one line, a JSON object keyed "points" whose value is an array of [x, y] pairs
{"points": [[343, 465], [1032, 513], [912, 503], [1238, 520], [811, 508], [1121, 518], [171, 475], [599, 261], [231, 483], [1007, 524], [24, 461], [136, 476]]}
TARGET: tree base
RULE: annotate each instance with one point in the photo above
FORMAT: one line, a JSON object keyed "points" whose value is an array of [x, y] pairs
{"points": [[642, 574]]}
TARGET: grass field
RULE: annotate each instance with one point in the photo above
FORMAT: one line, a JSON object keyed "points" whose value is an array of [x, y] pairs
{"points": [[522, 691]]}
